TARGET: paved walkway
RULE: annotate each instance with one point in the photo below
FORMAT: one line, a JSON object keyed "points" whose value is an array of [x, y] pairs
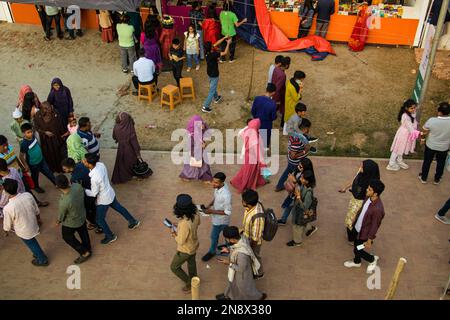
{"points": [[136, 266]]}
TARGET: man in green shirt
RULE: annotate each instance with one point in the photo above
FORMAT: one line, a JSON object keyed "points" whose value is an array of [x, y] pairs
{"points": [[229, 22], [17, 123], [125, 32], [72, 216]]}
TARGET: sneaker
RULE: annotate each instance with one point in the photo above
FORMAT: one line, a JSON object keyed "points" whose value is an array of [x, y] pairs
{"points": [[219, 99], [186, 289], [442, 219], [292, 243], [188, 70], [420, 178], [39, 190], [43, 204], [403, 165], [351, 264], [79, 33], [221, 61], [82, 259], [231, 61], [197, 67], [206, 110], [312, 149], [37, 264], [109, 240], [125, 70], [313, 139], [134, 225], [311, 231], [393, 168], [208, 256], [222, 296], [371, 267], [436, 182], [258, 277], [281, 222]]}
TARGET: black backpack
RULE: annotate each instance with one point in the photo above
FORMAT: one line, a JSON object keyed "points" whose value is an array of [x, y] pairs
{"points": [[270, 223]]}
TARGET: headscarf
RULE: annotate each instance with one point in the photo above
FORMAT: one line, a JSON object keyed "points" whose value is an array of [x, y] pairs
{"points": [[61, 94], [362, 179], [47, 112], [253, 142], [191, 124], [75, 147], [23, 91], [243, 246], [124, 127]]}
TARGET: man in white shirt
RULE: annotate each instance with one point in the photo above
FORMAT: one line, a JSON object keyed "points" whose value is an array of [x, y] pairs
{"points": [[106, 197], [220, 214], [438, 143], [144, 71], [21, 215]]}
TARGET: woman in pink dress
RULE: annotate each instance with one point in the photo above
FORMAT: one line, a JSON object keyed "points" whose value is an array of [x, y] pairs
{"points": [[406, 136], [249, 176]]}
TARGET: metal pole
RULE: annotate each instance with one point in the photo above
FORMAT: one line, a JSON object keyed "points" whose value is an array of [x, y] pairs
{"points": [[434, 46]]}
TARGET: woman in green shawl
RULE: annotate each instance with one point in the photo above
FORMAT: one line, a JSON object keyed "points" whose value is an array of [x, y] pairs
{"points": [[75, 147]]}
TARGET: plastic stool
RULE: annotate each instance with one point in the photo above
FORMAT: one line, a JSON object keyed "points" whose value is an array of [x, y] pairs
{"points": [[173, 94], [187, 83], [151, 90]]}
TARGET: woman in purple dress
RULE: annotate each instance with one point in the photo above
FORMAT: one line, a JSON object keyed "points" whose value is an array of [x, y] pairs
{"points": [[61, 99], [197, 168], [128, 151], [151, 46]]}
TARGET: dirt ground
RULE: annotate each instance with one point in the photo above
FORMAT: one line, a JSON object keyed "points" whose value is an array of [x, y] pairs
{"points": [[353, 99]]}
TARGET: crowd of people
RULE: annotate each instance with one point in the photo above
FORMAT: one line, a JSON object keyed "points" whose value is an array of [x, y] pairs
{"points": [[66, 150]]}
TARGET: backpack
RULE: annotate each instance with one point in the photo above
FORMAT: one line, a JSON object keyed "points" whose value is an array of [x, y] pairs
{"points": [[270, 223]]}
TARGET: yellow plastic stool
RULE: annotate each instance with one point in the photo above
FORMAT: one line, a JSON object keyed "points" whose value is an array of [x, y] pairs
{"points": [[150, 91], [187, 83], [173, 94]]}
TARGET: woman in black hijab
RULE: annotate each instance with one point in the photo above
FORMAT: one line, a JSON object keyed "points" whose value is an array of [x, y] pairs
{"points": [[367, 171]]}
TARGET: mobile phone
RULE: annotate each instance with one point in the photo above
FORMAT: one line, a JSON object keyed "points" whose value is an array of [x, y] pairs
{"points": [[360, 247]]}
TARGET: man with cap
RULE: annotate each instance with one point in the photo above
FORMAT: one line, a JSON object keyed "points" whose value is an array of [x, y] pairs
{"points": [[185, 235], [17, 123], [242, 266]]}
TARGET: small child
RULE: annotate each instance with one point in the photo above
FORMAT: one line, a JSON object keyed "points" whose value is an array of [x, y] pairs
{"points": [[17, 123], [405, 138], [176, 56], [72, 127], [191, 46]]}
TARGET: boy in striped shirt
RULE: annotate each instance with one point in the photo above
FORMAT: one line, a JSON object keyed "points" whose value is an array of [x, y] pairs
{"points": [[89, 139]]}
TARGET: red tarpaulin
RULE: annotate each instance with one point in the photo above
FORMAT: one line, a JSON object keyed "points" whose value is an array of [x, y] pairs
{"points": [[276, 40]]}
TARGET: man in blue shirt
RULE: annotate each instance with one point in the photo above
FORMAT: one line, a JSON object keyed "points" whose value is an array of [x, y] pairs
{"points": [[265, 109], [325, 9]]}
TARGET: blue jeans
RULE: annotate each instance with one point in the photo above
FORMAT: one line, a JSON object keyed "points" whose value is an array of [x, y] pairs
{"points": [[213, 82], [35, 248], [290, 168], [189, 59], [200, 42], [44, 169], [287, 212], [444, 209], [287, 202], [215, 234], [101, 216]]}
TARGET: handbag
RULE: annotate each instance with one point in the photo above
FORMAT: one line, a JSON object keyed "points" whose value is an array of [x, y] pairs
{"points": [[195, 163], [141, 168], [303, 217], [289, 186]]}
